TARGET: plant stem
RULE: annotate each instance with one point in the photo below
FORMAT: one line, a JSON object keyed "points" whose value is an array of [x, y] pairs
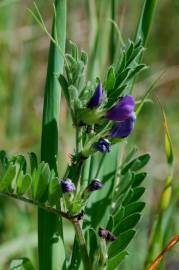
{"points": [[78, 139], [100, 165], [82, 245], [47, 222], [103, 255], [40, 205]]}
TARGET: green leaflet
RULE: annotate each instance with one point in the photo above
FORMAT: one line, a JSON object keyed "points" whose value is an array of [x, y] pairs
{"points": [[110, 80], [33, 161], [125, 182], [118, 215], [21, 264], [8, 177], [127, 223], [121, 243], [20, 163], [53, 191], [137, 164], [115, 261], [133, 195], [23, 183], [138, 179], [133, 208], [40, 181]]}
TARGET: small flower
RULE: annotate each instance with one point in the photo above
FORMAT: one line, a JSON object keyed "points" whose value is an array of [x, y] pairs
{"points": [[103, 145], [107, 235], [67, 185], [123, 129], [97, 97], [94, 185], [122, 110]]}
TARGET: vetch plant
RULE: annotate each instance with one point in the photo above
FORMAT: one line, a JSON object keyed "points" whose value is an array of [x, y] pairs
{"points": [[98, 195]]}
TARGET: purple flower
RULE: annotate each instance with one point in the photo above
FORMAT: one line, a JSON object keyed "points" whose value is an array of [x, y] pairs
{"points": [[122, 110], [105, 234], [97, 97], [94, 185], [103, 146], [67, 185], [123, 129]]}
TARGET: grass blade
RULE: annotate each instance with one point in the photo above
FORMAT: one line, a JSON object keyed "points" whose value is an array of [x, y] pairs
{"points": [[47, 222], [145, 20]]}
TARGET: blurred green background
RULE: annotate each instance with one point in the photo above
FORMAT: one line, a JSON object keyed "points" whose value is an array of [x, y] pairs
{"points": [[23, 62]]}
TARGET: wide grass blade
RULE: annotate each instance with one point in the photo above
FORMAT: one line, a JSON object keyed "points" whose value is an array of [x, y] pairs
{"points": [[47, 223]]}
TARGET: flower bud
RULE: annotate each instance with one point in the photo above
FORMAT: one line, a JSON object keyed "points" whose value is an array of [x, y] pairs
{"points": [[107, 235], [103, 145], [97, 97], [123, 129], [122, 110], [95, 185], [67, 185]]}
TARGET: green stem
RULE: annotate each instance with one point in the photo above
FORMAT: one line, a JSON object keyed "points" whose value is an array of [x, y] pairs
{"points": [[40, 205], [47, 222], [82, 245], [100, 165], [103, 255], [78, 139]]}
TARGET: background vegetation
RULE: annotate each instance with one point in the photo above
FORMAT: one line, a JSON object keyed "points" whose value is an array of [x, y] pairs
{"points": [[23, 51]]}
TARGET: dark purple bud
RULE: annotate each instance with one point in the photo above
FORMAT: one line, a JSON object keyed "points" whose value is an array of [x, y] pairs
{"points": [[67, 185], [105, 234], [95, 185], [97, 97], [122, 110], [103, 146], [123, 129]]}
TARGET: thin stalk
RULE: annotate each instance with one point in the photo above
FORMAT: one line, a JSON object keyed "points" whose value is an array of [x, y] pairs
{"points": [[100, 165], [47, 222], [91, 169], [82, 245], [36, 203], [103, 255], [78, 139], [85, 173]]}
